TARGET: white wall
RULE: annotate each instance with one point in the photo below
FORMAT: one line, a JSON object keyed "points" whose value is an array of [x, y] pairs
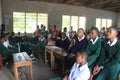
{"points": [[0, 14], [55, 12]]}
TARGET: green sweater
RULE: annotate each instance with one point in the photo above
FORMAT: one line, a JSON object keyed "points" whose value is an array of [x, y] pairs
{"points": [[93, 51]]}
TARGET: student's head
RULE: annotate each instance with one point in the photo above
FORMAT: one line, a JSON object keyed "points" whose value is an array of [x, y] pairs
{"points": [[65, 29], [80, 32], [112, 32], [7, 36], [72, 34], [94, 32], [37, 26], [42, 26], [54, 26], [42, 35], [81, 57], [63, 35], [88, 35], [71, 28], [12, 34], [2, 39], [18, 33]]}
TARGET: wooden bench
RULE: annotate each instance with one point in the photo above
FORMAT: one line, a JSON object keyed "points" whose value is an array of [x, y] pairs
{"points": [[21, 60], [50, 50], [61, 55]]}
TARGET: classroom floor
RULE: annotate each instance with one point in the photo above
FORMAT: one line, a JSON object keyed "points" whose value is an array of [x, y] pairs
{"points": [[41, 71]]}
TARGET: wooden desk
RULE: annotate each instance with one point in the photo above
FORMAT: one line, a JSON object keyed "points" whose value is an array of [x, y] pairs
{"points": [[50, 50], [23, 62], [60, 54]]}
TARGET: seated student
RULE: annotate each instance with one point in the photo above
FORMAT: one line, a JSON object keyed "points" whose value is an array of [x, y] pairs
{"points": [[34, 39], [8, 45], [79, 70], [37, 49], [63, 42], [18, 38], [108, 65], [12, 38], [79, 44], [93, 46]]}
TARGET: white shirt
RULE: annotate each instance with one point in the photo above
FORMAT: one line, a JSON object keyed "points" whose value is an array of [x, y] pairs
{"points": [[93, 42], [113, 43], [79, 73], [6, 44], [81, 38]]}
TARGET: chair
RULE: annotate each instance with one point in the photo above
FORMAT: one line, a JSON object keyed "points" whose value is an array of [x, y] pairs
{"points": [[1, 61]]}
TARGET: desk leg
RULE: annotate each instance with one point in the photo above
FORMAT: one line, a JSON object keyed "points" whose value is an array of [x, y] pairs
{"points": [[45, 56], [15, 72], [52, 60], [31, 72]]}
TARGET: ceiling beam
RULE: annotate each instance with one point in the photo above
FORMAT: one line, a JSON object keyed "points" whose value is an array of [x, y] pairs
{"points": [[69, 1], [98, 2]]}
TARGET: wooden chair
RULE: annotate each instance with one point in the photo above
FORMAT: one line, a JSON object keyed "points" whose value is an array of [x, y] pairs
{"points": [[1, 61]]}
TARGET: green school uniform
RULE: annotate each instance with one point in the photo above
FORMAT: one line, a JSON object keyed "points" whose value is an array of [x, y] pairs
{"points": [[93, 51], [110, 60], [4, 51], [39, 47]]}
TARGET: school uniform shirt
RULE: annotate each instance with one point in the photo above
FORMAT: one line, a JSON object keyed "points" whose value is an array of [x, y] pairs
{"points": [[93, 50], [79, 72], [6, 44], [80, 44], [109, 60]]}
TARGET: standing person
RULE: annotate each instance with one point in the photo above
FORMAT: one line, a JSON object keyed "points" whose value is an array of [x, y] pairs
{"points": [[54, 30], [108, 65], [67, 33], [93, 46], [80, 44], [2, 29], [37, 31]]}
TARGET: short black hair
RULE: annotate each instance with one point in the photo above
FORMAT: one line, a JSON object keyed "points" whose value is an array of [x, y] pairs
{"points": [[96, 29], [81, 29], [115, 28], [83, 53]]}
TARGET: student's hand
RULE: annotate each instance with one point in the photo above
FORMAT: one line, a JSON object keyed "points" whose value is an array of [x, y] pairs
{"points": [[71, 55], [65, 78], [96, 70]]}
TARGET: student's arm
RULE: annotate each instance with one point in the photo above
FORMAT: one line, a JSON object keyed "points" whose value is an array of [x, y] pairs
{"points": [[93, 58], [88, 48], [115, 59]]}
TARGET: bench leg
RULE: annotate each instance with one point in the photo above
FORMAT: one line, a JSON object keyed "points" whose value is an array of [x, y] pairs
{"points": [[31, 73], [15, 72]]}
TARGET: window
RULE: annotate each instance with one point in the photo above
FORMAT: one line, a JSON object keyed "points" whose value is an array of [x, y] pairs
{"points": [[103, 23], [30, 22], [75, 21], [66, 21], [42, 19], [18, 22], [27, 22], [82, 22]]}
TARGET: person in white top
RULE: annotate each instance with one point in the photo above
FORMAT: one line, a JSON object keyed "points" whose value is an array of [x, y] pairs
{"points": [[80, 70]]}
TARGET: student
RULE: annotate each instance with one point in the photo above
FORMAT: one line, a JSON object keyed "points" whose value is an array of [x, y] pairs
{"points": [[37, 49], [67, 33], [54, 30], [93, 46], [108, 65], [80, 44], [79, 70], [63, 42], [37, 31]]}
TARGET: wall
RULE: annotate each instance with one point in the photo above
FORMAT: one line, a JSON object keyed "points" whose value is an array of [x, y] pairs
{"points": [[118, 19], [0, 13], [55, 12]]}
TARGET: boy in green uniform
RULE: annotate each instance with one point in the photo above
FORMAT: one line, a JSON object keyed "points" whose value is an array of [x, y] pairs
{"points": [[93, 46], [39, 47], [108, 65]]}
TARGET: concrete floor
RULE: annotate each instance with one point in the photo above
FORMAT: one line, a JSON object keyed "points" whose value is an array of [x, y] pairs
{"points": [[40, 72]]}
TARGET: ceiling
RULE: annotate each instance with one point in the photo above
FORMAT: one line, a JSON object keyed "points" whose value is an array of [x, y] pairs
{"points": [[111, 5]]}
